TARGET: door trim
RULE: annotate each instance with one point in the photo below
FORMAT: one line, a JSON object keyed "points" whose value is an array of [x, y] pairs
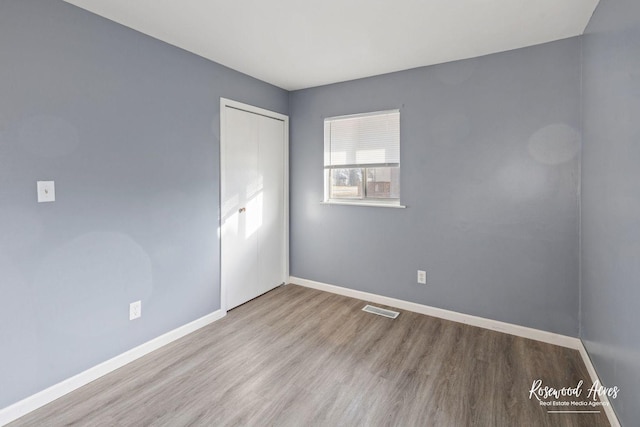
{"points": [[224, 103]]}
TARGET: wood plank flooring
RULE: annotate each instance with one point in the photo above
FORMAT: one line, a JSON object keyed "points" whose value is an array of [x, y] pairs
{"points": [[300, 357]]}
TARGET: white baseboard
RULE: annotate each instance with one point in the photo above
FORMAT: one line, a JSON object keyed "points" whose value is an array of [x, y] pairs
{"points": [[31, 403], [467, 319], [608, 409]]}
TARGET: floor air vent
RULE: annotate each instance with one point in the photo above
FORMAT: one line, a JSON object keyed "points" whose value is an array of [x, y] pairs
{"points": [[381, 311]]}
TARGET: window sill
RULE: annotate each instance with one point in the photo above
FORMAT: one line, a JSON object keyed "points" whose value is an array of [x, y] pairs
{"points": [[363, 203]]}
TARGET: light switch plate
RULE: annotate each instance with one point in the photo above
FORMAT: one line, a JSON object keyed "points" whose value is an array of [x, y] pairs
{"points": [[46, 191]]}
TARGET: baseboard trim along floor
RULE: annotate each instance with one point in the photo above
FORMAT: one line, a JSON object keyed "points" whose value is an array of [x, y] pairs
{"points": [[52, 393], [467, 319]]}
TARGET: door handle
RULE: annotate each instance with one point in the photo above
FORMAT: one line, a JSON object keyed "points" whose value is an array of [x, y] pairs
{"points": [[242, 210]]}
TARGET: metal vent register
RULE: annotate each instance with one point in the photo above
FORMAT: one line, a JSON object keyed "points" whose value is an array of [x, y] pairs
{"points": [[381, 311]]}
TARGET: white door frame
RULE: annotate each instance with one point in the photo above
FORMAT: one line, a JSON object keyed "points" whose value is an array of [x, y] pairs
{"points": [[224, 103]]}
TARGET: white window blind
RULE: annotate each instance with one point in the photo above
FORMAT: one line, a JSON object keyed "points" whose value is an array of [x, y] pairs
{"points": [[362, 159], [371, 139]]}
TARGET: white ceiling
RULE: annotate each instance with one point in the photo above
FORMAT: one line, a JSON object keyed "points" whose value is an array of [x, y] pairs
{"points": [[297, 44]]}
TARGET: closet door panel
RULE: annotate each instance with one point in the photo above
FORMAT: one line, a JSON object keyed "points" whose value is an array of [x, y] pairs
{"points": [[271, 166], [240, 213]]}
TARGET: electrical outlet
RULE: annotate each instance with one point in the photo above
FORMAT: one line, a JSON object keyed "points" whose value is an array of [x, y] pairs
{"points": [[135, 310], [422, 277]]}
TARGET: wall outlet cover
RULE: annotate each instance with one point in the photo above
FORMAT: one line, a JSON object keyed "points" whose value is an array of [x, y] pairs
{"points": [[422, 277], [135, 310]]}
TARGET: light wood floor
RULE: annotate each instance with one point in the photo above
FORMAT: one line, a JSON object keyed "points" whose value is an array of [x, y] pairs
{"points": [[299, 357]]}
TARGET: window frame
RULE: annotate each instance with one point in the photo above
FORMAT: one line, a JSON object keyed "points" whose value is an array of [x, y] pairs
{"points": [[364, 200]]}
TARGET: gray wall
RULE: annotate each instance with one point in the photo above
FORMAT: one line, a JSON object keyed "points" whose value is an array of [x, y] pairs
{"points": [[127, 126], [610, 288], [490, 170]]}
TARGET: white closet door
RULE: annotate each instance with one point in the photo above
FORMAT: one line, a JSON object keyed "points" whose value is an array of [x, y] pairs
{"points": [[271, 233], [252, 205], [239, 182]]}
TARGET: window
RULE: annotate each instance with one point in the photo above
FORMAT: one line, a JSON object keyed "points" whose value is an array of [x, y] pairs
{"points": [[362, 159]]}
